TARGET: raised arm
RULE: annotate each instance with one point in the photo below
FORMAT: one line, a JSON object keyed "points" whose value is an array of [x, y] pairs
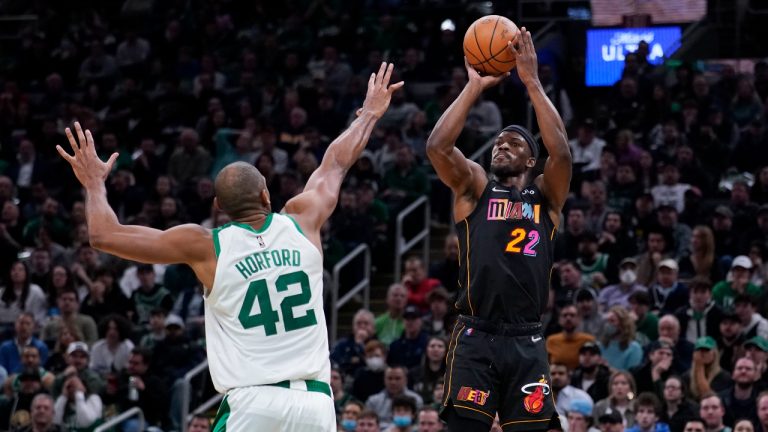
{"points": [[314, 206], [556, 180], [189, 244], [463, 176]]}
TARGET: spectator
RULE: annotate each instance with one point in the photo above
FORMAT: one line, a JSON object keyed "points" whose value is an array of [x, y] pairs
{"points": [[618, 345], [111, 353], [702, 316], [340, 396], [20, 295], [731, 339], [762, 410], [650, 377], [42, 415], [447, 269], [739, 399], [70, 316], [756, 349], [677, 409], [726, 240], [618, 401], [618, 294], [30, 364], [670, 191], [77, 367], [395, 384], [669, 327], [368, 421], [349, 353], [700, 261], [614, 239], [189, 160], [579, 416], [591, 321], [10, 350], [105, 297], [408, 350], [418, 284], [438, 320], [753, 324], [705, 375], [199, 423], [695, 425], [424, 378], [592, 375], [429, 420], [744, 425], [405, 181], [389, 325], [349, 414], [646, 322], [40, 267], [667, 217], [737, 282], [648, 409], [57, 360], [564, 393], [484, 118], [571, 283], [712, 412], [593, 264], [370, 379], [657, 241], [403, 412], [563, 347], [77, 407], [150, 295], [586, 148], [667, 293], [567, 243]]}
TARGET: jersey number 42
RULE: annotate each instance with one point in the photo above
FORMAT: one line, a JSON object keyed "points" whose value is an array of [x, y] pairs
{"points": [[268, 317]]}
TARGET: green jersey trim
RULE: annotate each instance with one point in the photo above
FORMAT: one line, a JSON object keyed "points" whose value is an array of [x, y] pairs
{"points": [[263, 228], [295, 223], [222, 415], [216, 242]]}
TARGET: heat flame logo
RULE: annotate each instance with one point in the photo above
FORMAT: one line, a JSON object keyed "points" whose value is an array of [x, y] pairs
{"points": [[536, 392]]}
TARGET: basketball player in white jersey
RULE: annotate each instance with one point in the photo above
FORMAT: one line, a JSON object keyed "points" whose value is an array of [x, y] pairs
{"points": [[265, 326]]}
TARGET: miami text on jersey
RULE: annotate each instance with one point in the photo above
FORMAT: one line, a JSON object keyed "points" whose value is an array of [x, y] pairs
{"points": [[503, 209]]}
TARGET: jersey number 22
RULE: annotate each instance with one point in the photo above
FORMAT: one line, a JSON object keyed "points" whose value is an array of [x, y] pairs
{"points": [[268, 317]]}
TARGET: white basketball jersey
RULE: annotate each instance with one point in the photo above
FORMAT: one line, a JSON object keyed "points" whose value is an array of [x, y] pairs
{"points": [[264, 319]]}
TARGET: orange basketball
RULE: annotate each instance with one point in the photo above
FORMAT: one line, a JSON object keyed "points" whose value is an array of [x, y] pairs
{"points": [[485, 44]]}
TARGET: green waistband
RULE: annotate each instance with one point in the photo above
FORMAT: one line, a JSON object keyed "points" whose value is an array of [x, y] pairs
{"points": [[312, 385]]}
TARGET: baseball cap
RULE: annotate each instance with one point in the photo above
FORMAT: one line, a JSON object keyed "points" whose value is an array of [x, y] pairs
{"points": [[610, 418], [411, 312], [758, 342], [628, 261], [723, 211], [173, 319], [589, 347], [581, 406], [742, 261], [77, 346], [706, 342], [669, 263], [438, 293]]}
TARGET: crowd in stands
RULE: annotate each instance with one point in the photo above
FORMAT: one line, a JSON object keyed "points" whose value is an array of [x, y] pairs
{"points": [[657, 319]]}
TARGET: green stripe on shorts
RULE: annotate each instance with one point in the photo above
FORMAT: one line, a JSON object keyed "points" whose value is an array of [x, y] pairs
{"points": [[222, 415]]}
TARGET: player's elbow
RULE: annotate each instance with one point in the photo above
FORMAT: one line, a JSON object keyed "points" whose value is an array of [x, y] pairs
{"points": [[435, 147]]}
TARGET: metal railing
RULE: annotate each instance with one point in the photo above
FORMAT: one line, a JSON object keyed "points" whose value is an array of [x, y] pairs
{"points": [[205, 406], [186, 394], [115, 421], [363, 285], [402, 246]]}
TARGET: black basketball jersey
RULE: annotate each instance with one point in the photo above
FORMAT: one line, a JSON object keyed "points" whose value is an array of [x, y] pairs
{"points": [[506, 252]]}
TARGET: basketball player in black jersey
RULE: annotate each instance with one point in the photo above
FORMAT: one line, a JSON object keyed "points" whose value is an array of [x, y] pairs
{"points": [[497, 361]]}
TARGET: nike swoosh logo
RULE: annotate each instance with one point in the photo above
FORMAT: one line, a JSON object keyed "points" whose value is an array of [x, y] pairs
{"points": [[498, 190], [535, 339]]}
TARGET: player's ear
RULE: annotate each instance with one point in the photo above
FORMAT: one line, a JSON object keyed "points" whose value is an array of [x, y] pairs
{"points": [[531, 162], [265, 201], [216, 204]]}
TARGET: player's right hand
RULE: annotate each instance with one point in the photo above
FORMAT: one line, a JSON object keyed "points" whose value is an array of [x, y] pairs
{"points": [[485, 82], [379, 91]]}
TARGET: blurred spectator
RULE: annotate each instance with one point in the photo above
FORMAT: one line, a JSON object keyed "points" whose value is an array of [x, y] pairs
{"points": [[417, 283], [105, 297], [591, 375], [591, 320], [77, 407], [389, 325], [11, 350], [20, 295], [563, 347], [579, 416], [30, 364], [189, 160], [42, 415], [349, 353], [395, 384], [40, 267], [731, 339], [110, 354], [77, 367], [667, 293], [726, 240], [695, 424], [669, 328], [746, 104], [370, 378], [98, 67], [677, 408], [429, 420], [69, 315], [149, 296], [670, 191], [568, 242], [447, 269], [617, 344], [408, 350], [700, 259], [618, 294], [352, 226], [199, 423], [648, 410], [618, 402], [368, 421], [484, 118], [739, 399], [702, 316], [570, 283], [652, 374], [405, 181], [681, 234], [712, 412], [564, 393], [646, 322], [57, 360], [705, 375], [593, 264], [614, 239], [440, 317], [756, 349], [349, 415], [735, 283], [753, 324], [627, 152], [424, 377], [403, 413]]}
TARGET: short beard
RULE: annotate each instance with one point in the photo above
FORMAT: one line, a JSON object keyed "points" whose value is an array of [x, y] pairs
{"points": [[505, 171]]}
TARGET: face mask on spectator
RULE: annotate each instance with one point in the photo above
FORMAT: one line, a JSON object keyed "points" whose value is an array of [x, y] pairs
{"points": [[375, 363], [348, 424], [402, 421], [609, 329], [628, 277]]}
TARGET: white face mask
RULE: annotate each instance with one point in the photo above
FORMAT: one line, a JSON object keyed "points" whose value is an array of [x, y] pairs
{"points": [[375, 363], [628, 277]]}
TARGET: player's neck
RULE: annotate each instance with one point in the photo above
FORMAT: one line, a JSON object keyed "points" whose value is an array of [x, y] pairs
{"points": [[256, 220], [516, 181]]}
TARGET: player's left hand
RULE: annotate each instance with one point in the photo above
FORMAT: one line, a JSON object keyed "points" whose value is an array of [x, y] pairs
{"points": [[525, 55], [380, 91], [88, 168]]}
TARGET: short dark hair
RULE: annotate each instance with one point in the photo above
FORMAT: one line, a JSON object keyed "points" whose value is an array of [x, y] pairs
{"points": [[640, 297], [368, 414], [404, 402], [123, 326], [745, 299], [146, 354], [648, 399]]}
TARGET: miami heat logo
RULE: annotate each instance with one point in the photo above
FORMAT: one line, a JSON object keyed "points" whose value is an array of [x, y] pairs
{"points": [[536, 392]]}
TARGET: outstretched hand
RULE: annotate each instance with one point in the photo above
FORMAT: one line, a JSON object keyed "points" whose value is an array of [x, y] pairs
{"points": [[485, 82], [525, 57], [379, 91], [88, 168]]}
